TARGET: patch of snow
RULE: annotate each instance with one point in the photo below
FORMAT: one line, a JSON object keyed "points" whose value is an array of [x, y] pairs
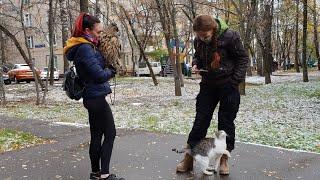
{"points": [[280, 148], [70, 124]]}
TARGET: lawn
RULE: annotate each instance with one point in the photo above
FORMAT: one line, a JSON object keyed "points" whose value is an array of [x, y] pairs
{"points": [[13, 140], [283, 114]]}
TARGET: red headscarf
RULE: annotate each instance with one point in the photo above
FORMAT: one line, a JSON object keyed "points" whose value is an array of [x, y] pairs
{"points": [[77, 32]]}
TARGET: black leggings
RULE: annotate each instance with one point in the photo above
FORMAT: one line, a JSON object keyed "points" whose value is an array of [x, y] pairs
{"points": [[101, 123]]}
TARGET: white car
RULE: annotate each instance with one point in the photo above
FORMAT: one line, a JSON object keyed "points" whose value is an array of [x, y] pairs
{"points": [[44, 72], [143, 69]]}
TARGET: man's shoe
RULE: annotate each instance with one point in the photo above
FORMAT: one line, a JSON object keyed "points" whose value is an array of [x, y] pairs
{"points": [[186, 164], [224, 167]]}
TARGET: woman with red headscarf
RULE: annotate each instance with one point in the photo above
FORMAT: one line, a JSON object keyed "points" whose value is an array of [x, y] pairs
{"points": [[90, 65]]}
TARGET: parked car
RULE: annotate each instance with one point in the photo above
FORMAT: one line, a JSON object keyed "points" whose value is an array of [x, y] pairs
{"points": [[6, 78], [44, 72], [143, 69], [22, 72]]}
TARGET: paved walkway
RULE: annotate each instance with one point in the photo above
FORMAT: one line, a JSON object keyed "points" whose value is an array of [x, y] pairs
{"points": [[140, 155]]}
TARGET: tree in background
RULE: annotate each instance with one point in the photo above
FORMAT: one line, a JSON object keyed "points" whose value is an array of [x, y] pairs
{"points": [[246, 11], [2, 91], [64, 30], [296, 53], [264, 34], [315, 32], [84, 6], [304, 41], [140, 44], [164, 9]]}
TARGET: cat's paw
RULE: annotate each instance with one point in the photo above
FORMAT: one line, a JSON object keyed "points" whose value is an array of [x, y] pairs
{"points": [[208, 173]]}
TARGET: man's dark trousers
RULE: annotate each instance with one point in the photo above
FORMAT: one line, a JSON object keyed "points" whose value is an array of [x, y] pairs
{"points": [[207, 100]]}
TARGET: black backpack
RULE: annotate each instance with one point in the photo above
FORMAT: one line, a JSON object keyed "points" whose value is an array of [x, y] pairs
{"points": [[72, 84]]}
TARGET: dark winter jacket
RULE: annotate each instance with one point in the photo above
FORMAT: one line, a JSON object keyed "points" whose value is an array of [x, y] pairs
{"points": [[234, 58], [90, 66]]}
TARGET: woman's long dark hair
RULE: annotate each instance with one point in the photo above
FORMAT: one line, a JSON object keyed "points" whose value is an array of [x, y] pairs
{"points": [[207, 23]]}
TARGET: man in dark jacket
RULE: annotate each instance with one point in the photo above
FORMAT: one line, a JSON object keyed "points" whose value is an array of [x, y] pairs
{"points": [[221, 60]]}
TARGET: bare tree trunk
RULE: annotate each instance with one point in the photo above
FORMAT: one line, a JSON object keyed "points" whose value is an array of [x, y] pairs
{"points": [[97, 9], [64, 30], [29, 58], [268, 45], [290, 42], [281, 48], [193, 9], [155, 82], [133, 61], [131, 45], [247, 41], [108, 11], [163, 12], [132, 54], [315, 32], [175, 31], [2, 49], [304, 41], [248, 33], [23, 54], [296, 54], [2, 90], [84, 6], [264, 39], [227, 13], [259, 60], [71, 20], [51, 36], [50, 69], [2, 61]]}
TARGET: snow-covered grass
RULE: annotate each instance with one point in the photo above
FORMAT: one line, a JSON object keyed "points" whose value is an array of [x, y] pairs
{"points": [[284, 114]]}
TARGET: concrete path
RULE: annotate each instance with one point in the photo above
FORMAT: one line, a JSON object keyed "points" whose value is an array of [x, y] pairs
{"points": [[140, 155]]}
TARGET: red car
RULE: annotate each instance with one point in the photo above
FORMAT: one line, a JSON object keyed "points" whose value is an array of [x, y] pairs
{"points": [[22, 72]]}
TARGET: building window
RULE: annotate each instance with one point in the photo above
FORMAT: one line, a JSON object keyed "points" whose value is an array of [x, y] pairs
{"points": [[30, 42], [27, 20]]}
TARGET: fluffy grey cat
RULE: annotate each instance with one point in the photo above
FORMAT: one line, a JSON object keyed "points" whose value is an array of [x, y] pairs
{"points": [[208, 149]]}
